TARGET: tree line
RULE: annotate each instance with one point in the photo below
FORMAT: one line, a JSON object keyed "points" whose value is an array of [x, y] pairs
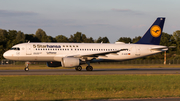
{"points": [[13, 37]]}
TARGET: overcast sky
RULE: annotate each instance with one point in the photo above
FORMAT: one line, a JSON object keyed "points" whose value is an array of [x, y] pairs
{"points": [[94, 18]]}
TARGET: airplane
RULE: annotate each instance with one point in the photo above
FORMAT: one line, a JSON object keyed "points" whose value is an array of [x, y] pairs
{"points": [[76, 54]]}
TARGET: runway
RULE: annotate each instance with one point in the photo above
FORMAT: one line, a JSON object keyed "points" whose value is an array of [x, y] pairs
{"points": [[94, 72]]}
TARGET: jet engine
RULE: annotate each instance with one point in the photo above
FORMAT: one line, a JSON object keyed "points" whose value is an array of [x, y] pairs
{"points": [[70, 62], [65, 62], [54, 64]]}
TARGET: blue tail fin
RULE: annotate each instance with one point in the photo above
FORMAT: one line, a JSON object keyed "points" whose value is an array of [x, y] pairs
{"points": [[153, 35]]}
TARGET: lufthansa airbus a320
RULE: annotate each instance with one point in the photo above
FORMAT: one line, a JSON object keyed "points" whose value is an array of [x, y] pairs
{"points": [[76, 54]]}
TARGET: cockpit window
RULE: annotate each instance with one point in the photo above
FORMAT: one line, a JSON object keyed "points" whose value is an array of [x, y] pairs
{"points": [[15, 48]]}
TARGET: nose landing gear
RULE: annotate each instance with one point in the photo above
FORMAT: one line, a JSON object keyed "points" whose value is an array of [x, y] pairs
{"points": [[27, 65], [26, 69]]}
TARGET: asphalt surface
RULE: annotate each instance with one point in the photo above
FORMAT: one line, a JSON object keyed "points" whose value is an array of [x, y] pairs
{"points": [[94, 72]]}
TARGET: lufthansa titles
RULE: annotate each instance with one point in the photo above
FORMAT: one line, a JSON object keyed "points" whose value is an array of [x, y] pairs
{"points": [[46, 46]]}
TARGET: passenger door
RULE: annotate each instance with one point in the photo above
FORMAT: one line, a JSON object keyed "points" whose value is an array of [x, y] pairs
{"points": [[28, 49], [137, 51]]}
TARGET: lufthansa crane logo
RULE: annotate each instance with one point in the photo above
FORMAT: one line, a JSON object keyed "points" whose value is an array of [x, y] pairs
{"points": [[155, 31]]}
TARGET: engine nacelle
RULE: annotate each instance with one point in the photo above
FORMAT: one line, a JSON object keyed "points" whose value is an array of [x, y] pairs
{"points": [[54, 64], [70, 62]]}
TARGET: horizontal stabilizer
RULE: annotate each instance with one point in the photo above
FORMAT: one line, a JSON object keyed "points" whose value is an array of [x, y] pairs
{"points": [[159, 48]]}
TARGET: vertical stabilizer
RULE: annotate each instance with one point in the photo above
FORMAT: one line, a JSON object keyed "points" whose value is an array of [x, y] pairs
{"points": [[153, 35]]}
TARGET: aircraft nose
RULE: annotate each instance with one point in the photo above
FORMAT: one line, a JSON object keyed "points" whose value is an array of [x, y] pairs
{"points": [[6, 55]]}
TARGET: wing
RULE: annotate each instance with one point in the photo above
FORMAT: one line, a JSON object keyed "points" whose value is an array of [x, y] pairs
{"points": [[97, 54]]}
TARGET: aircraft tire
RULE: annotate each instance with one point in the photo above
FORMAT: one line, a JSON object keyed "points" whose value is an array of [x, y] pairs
{"points": [[89, 68], [78, 68], [26, 69]]}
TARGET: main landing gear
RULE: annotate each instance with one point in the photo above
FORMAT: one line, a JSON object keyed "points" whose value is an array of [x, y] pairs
{"points": [[26, 68], [78, 68], [88, 68]]}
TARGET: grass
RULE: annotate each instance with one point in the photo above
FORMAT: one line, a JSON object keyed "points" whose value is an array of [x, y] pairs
{"points": [[77, 87], [96, 66]]}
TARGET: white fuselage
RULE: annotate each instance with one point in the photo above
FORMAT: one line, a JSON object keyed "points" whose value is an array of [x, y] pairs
{"points": [[57, 51]]}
